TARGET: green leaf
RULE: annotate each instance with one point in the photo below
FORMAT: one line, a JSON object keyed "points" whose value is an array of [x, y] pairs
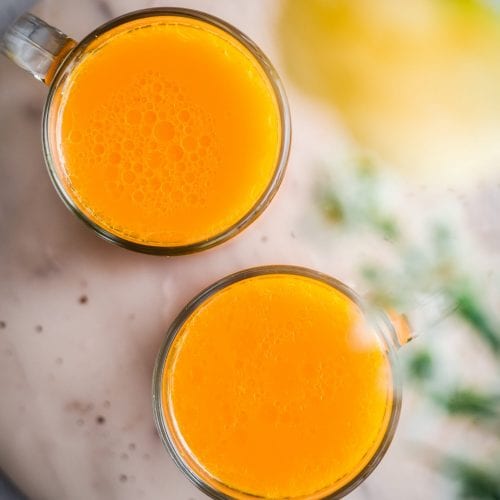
{"points": [[475, 482], [420, 366], [332, 208], [470, 309], [387, 226], [470, 402]]}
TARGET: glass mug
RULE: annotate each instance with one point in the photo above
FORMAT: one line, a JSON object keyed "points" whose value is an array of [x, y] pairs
{"points": [[166, 130], [278, 382]]}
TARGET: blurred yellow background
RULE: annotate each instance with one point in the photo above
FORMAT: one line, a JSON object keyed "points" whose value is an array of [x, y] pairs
{"points": [[416, 81]]}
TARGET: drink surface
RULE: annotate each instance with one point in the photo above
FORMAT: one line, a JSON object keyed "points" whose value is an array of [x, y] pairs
{"points": [[278, 387], [169, 131]]}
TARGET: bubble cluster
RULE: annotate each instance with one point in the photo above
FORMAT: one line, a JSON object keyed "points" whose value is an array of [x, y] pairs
{"points": [[154, 148], [167, 135]]}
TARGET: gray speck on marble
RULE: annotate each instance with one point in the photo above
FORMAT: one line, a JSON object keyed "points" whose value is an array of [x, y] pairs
{"points": [[79, 407], [48, 267], [32, 110], [104, 9]]}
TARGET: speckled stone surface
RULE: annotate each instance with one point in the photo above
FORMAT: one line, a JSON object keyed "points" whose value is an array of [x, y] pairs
{"points": [[81, 320]]}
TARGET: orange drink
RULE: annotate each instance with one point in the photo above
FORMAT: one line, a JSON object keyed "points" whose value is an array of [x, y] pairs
{"points": [[275, 385], [169, 131]]}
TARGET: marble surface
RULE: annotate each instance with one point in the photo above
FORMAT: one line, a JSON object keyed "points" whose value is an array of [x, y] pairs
{"points": [[81, 320]]}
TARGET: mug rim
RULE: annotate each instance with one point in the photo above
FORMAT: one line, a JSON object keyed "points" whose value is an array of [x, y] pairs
{"points": [[377, 318], [260, 204]]}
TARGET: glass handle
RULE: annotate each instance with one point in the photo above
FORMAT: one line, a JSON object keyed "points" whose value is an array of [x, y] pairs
{"points": [[36, 46], [427, 311]]}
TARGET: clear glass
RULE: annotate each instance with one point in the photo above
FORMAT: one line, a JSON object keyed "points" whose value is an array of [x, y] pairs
{"points": [[383, 327], [52, 57], [36, 47]]}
